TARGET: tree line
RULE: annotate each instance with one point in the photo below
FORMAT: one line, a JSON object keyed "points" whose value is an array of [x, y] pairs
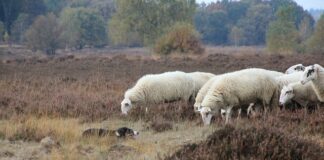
{"points": [[166, 25]]}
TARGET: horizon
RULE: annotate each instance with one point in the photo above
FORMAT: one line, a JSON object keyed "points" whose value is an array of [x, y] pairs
{"points": [[306, 4]]}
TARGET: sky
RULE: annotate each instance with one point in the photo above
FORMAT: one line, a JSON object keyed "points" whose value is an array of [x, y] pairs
{"points": [[306, 4]]}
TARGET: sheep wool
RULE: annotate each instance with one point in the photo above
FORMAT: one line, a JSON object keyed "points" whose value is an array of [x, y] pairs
{"points": [[303, 94], [242, 87], [168, 86], [315, 74]]}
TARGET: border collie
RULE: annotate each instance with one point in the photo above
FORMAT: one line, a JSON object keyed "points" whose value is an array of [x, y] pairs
{"points": [[120, 132]]}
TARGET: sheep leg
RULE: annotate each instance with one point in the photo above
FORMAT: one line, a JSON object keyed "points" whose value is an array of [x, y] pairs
{"points": [[228, 114], [317, 106], [266, 107], [274, 102], [239, 114], [250, 110]]}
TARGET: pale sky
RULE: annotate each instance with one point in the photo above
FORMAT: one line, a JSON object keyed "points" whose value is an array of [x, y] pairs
{"points": [[306, 4]]}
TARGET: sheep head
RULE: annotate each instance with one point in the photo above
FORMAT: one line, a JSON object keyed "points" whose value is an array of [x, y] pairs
{"points": [[295, 68], [287, 93], [126, 105], [206, 115], [310, 74]]}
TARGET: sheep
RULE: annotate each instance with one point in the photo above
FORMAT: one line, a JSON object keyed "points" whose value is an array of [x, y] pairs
{"points": [[303, 94], [156, 88], [200, 78], [273, 73], [295, 68], [315, 75], [239, 88], [203, 91], [288, 78]]}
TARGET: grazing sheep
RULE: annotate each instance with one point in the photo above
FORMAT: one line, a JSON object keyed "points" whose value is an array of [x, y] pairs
{"points": [[200, 78], [157, 88], [203, 91], [303, 94], [288, 78], [239, 88], [273, 73], [295, 68], [315, 75]]}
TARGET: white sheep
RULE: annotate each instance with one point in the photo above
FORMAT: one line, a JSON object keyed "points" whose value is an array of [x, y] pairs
{"points": [[303, 94], [200, 78], [288, 78], [315, 75], [295, 68], [203, 91], [157, 88], [273, 73], [165, 87], [239, 88]]}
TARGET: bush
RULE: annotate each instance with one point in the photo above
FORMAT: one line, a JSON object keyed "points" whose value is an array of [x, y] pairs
{"points": [[181, 38], [252, 143], [44, 34], [83, 27]]}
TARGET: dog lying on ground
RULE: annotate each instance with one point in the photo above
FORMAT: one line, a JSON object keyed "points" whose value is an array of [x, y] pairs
{"points": [[100, 132]]}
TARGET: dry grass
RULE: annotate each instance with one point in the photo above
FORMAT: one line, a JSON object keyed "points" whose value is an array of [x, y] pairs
{"points": [[32, 128], [61, 96], [68, 133]]}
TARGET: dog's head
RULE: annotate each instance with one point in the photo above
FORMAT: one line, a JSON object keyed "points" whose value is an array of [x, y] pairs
{"points": [[126, 132]]}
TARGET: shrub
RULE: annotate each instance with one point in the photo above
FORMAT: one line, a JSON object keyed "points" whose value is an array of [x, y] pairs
{"points": [[44, 34], [181, 38], [251, 143], [83, 27]]}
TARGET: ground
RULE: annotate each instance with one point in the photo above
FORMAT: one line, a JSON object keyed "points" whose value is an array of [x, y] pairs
{"points": [[63, 95]]}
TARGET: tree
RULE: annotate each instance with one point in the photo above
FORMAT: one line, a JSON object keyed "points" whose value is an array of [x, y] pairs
{"points": [[9, 10], [316, 42], [235, 10], [44, 34], [55, 6], [305, 28], [282, 35], [148, 19], [297, 12], [254, 25], [19, 27], [236, 36], [211, 26], [83, 27], [2, 31]]}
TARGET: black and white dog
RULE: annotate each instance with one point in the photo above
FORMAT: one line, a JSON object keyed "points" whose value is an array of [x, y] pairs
{"points": [[120, 132]]}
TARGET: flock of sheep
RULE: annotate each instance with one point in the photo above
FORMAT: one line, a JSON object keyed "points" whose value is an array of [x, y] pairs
{"points": [[215, 95]]}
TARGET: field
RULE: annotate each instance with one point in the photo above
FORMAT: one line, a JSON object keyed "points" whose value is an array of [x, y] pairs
{"points": [[63, 95]]}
